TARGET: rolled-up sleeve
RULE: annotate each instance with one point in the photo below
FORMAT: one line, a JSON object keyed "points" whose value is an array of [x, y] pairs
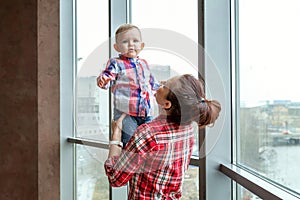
{"points": [[120, 169]]}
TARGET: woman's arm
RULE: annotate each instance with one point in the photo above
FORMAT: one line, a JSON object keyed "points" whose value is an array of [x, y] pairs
{"points": [[122, 164], [115, 149]]}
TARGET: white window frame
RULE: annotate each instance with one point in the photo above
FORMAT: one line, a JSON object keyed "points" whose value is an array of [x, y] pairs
{"points": [[66, 108], [217, 45]]}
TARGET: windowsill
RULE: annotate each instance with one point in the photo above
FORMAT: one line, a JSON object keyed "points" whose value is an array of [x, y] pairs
{"points": [[256, 185]]}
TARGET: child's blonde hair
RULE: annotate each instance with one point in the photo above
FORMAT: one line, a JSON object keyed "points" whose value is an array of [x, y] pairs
{"points": [[125, 27]]}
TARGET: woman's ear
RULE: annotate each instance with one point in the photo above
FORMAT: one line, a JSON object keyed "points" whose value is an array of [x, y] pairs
{"points": [[167, 105], [116, 47]]}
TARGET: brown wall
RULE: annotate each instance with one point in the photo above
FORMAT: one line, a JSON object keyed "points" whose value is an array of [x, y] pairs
{"points": [[29, 99]]}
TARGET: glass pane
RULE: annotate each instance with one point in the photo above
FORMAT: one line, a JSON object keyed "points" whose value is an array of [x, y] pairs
{"points": [[92, 121], [176, 15], [91, 111], [190, 189], [244, 194], [268, 122], [171, 39], [166, 17], [92, 183]]}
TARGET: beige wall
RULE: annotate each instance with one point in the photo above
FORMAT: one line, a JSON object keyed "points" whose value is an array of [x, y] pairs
{"points": [[29, 99]]}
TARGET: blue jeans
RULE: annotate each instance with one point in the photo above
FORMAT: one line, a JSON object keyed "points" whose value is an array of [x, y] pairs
{"points": [[129, 125]]}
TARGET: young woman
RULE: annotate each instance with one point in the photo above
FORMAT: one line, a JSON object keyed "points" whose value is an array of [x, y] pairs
{"points": [[158, 154]]}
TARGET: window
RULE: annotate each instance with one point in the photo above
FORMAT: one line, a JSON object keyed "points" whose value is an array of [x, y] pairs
{"points": [[173, 33], [92, 50], [268, 104], [258, 94], [91, 54], [244, 194]]}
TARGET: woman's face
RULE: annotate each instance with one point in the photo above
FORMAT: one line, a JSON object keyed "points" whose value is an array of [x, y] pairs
{"points": [[163, 91], [161, 95]]}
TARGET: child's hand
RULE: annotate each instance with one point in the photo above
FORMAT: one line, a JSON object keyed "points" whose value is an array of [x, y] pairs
{"points": [[102, 81]]}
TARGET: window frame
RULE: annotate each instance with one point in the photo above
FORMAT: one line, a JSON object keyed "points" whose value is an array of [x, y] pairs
{"points": [[238, 174], [218, 47], [121, 10], [67, 61], [216, 35]]}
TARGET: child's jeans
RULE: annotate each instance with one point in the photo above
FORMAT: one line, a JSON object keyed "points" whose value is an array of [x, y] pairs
{"points": [[129, 124]]}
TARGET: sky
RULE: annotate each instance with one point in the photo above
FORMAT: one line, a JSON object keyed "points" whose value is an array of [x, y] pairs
{"points": [[269, 49]]}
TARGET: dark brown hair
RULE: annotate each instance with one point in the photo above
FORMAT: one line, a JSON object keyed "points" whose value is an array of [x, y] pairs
{"points": [[187, 95]]}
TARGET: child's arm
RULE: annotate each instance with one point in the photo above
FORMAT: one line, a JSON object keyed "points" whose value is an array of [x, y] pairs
{"points": [[155, 84], [108, 74]]}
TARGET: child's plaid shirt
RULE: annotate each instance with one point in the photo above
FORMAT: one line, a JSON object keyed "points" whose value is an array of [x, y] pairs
{"points": [[133, 85]]}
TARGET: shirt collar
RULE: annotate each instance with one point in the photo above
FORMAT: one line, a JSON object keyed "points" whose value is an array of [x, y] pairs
{"points": [[130, 59]]}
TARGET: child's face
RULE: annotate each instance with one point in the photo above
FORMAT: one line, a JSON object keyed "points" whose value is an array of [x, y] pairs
{"points": [[129, 43]]}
